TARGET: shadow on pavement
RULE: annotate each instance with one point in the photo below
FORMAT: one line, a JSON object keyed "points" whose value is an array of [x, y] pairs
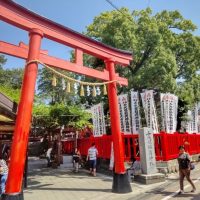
{"points": [[186, 195], [40, 187], [34, 184]]}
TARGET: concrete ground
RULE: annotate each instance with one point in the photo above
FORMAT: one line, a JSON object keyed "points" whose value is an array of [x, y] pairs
{"points": [[64, 184]]}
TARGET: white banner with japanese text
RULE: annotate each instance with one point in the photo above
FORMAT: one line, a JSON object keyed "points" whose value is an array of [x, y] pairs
{"points": [[135, 112], [194, 125], [149, 110], [169, 109], [98, 120], [192, 122], [124, 113]]}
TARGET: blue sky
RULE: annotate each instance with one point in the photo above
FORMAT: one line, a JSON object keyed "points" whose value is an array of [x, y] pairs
{"points": [[77, 14]]}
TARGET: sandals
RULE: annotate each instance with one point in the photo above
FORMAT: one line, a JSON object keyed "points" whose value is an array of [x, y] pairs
{"points": [[193, 190], [180, 192]]}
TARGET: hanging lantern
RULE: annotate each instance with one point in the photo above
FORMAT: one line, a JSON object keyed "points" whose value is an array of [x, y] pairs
{"points": [[68, 87], [54, 81], [94, 94], [82, 93], [104, 90]]}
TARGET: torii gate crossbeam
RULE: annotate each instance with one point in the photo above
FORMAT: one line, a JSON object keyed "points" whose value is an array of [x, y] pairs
{"points": [[25, 19], [21, 51], [39, 27]]}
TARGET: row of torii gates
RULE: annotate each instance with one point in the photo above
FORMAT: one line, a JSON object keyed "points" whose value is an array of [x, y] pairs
{"points": [[39, 27]]}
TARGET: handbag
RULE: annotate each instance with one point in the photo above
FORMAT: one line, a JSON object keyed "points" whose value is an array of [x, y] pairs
{"points": [[192, 166]]}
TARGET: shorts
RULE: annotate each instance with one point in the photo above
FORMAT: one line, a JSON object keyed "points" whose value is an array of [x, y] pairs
{"points": [[93, 163]]}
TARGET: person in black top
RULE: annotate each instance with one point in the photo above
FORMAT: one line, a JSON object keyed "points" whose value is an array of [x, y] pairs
{"points": [[184, 169], [76, 159]]}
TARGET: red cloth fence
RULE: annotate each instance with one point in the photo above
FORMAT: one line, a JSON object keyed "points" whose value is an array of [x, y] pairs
{"points": [[166, 145]]}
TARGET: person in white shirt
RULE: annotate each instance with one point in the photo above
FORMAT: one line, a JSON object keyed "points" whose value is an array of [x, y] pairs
{"points": [[92, 158], [48, 156]]}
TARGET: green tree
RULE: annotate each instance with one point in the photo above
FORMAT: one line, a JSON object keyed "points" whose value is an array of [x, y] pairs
{"points": [[54, 94], [12, 77], [50, 117], [190, 91], [82, 117], [13, 94], [42, 121], [2, 61], [11, 80], [164, 48]]}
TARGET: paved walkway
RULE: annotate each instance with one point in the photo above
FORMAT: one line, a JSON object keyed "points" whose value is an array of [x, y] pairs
{"points": [[63, 184]]}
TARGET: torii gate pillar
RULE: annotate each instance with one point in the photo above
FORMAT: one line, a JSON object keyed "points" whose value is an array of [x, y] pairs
{"points": [[23, 121], [120, 179]]}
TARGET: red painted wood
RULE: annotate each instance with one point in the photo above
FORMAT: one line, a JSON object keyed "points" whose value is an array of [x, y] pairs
{"points": [[79, 57], [23, 18], [115, 120], [20, 17], [22, 52], [21, 133], [166, 145]]}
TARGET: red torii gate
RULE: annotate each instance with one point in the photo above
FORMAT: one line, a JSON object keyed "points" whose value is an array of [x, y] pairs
{"points": [[39, 27]]}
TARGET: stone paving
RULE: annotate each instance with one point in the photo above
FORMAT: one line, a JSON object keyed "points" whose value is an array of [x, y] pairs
{"points": [[64, 184]]}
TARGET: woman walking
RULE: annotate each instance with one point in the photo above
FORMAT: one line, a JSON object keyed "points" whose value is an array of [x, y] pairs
{"points": [[184, 169]]}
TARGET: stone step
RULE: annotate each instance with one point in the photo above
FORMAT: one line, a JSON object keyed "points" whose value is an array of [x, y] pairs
{"points": [[36, 163], [67, 159], [150, 178], [67, 165]]}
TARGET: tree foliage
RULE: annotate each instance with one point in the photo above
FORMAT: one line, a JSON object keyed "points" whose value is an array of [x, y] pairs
{"points": [[53, 107], [165, 50], [53, 94], [11, 80], [13, 94], [2, 61], [49, 117]]}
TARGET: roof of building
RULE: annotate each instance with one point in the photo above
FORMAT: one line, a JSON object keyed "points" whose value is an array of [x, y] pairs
{"points": [[8, 109]]}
